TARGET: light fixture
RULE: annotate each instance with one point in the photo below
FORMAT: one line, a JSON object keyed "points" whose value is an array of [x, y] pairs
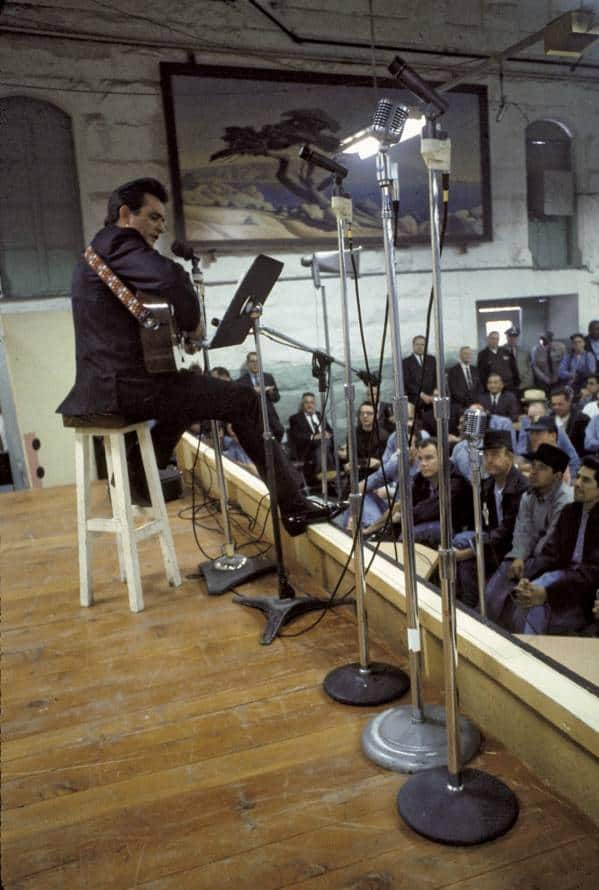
{"points": [[365, 144]]}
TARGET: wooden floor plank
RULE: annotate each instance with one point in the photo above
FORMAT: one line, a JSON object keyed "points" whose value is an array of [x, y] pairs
{"points": [[170, 750]]}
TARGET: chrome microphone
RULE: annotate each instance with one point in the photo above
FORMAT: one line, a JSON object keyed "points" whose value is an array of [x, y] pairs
{"points": [[475, 424], [388, 121]]}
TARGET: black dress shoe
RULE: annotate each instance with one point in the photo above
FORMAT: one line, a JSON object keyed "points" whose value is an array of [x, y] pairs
{"points": [[298, 513]]}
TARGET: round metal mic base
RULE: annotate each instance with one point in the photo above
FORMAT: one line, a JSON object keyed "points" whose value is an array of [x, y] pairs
{"points": [[379, 683], [396, 741], [482, 809]]}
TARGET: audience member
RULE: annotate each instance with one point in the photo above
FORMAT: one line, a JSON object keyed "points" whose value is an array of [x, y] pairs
{"points": [[568, 418], [370, 442], [460, 457], [544, 431], [250, 378], [545, 359], [591, 436], [592, 341], [305, 437], [576, 365], [537, 517], [556, 595], [496, 358], [384, 410], [589, 396], [501, 493], [499, 400], [420, 374], [462, 380], [522, 357]]}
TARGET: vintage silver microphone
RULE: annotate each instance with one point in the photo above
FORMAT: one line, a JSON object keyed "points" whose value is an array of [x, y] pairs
{"points": [[475, 426]]}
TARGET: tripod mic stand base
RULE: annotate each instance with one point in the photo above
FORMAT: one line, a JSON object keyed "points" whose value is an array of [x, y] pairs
{"points": [[281, 611], [396, 741], [379, 683], [481, 809], [225, 572]]}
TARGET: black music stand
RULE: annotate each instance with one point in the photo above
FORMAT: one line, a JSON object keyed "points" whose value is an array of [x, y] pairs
{"points": [[241, 317]]}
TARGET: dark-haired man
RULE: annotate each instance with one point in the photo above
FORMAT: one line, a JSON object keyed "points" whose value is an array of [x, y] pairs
{"points": [[498, 399], [250, 377], [305, 437], [568, 418], [539, 511], [501, 492], [557, 596], [592, 341], [111, 374]]}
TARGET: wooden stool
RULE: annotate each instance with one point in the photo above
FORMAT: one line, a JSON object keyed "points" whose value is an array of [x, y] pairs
{"points": [[113, 430]]}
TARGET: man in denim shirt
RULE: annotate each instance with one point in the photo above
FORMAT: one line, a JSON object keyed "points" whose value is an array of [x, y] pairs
{"points": [[538, 514]]}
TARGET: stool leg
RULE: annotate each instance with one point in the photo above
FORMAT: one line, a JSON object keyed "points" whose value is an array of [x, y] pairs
{"points": [[167, 545], [119, 540], [82, 465], [123, 514]]}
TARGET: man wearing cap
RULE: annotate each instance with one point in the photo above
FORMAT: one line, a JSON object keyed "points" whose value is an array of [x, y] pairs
{"points": [[501, 493], [538, 514], [522, 357], [544, 430], [557, 596], [460, 456], [496, 358]]}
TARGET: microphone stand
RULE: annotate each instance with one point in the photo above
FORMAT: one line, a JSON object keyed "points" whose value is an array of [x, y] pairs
{"points": [[450, 804], [364, 682], [408, 738], [230, 569], [287, 607]]}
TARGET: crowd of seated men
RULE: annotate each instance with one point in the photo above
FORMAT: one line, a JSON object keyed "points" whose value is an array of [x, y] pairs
{"points": [[540, 469]]}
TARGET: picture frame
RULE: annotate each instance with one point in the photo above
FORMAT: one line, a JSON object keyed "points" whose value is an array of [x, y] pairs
{"points": [[238, 183]]}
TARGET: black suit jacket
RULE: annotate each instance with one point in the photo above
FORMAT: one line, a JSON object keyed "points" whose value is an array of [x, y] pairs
{"points": [[459, 391], [575, 429], [301, 437], [107, 337], [412, 372], [499, 534], [502, 362], [276, 427], [425, 500], [507, 405], [579, 583]]}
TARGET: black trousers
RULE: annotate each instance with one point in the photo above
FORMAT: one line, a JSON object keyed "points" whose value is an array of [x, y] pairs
{"points": [[175, 401]]}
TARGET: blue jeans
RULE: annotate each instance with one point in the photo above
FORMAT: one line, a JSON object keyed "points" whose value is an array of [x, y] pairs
{"points": [[428, 533], [466, 576]]}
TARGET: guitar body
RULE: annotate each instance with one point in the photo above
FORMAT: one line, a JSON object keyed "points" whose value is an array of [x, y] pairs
{"points": [[161, 345]]}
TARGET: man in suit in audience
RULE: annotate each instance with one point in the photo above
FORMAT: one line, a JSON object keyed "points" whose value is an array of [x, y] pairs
{"points": [[557, 596], [568, 418], [305, 437], [495, 358], [420, 374], [538, 514], [501, 492], [251, 378], [522, 357], [498, 400], [463, 381]]}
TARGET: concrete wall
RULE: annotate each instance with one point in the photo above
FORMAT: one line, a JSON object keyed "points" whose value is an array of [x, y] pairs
{"points": [[112, 93]]}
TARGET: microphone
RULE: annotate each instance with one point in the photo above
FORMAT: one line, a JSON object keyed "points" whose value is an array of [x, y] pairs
{"points": [[388, 121], [184, 250], [475, 424], [319, 160], [415, 84]]}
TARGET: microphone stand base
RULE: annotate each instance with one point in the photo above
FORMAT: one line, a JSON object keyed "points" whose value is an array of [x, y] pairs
{"points": [[379, 683], [225, 572], [281, 611], [481, 809], [396, 741]]}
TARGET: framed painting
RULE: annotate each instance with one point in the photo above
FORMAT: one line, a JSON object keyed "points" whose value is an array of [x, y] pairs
{"points": [[234, 135]]}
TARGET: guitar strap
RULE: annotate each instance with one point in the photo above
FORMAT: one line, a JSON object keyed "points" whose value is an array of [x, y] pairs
{"points": [[128, 299]]}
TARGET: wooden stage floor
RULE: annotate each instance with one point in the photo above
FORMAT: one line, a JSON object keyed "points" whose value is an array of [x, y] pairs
{"points": [[169, 750]]}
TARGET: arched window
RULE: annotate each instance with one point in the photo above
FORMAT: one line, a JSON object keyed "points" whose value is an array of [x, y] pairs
{"points": [[40, 214], [551, 197]]}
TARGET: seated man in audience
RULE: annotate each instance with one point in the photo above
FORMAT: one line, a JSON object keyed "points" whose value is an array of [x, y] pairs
{"points": [[384, 410], [499, 400], [501, 493], [539, 511], [371, 441], [557, 596], [462, 380], [460, 457], [305, 437], [589, 395], [544, 431], [591, 437], [568, 418], [425, 498]]}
